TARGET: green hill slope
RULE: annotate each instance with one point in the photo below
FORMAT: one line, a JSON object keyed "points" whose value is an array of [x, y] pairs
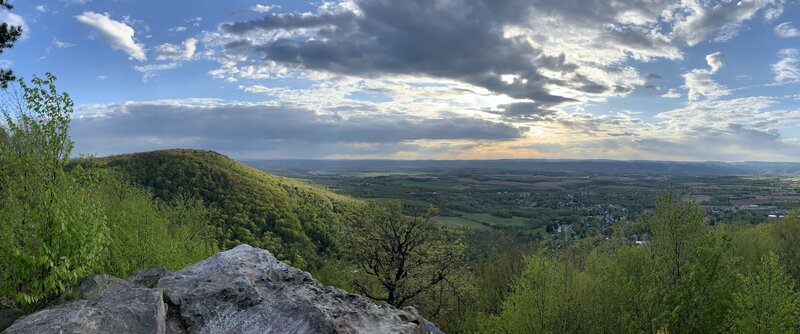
{"points": [[295, 220]]}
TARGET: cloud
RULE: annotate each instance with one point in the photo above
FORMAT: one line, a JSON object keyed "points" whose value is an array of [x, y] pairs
{"points": [[118, 34], [547, 52], [174, 52], [259, 8], [528, 111], [736, 129], [58, 44], [61, 44], [481, 78], [695, 21], [672, 94], [195, 21], [238, 127], [700, 82], [149, 71], [490, 39], [374, 44], [41, 8], [774, 12], [14, 20], [786, 30], [787, 69], [714, 61], [177, 29]]}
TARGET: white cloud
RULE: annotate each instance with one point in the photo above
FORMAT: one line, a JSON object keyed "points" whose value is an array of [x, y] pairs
{"points": [[41, 8], [102, 77], [119, 34], [14, 20], [194, 21], [58, 44], [61, 44], [177, 29], [672, 94], [259, 8], [175, 52], [786, 30], [700, 83], [727, 32], [774, 12], [787, 69], [714, 61], [694, 21], [560, 51], [149, 71]]}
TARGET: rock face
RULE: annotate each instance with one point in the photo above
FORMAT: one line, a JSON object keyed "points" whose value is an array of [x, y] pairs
{"points": [[136, 310], [243, 290]]}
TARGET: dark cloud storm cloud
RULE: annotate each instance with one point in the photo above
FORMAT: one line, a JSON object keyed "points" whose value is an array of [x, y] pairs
{"points": [[461, 40]]}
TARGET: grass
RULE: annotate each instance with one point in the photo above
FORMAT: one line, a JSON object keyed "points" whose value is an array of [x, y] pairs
{"points": [[494, 220], [462, 222]]}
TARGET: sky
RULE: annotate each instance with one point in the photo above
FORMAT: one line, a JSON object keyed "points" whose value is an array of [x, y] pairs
{"points": [[690, 80]]}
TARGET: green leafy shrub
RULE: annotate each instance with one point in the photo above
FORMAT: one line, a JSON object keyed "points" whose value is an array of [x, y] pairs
{"points": [[147, 232], [52, 231]]}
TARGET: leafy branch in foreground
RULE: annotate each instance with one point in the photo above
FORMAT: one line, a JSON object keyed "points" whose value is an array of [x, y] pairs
{"points": [[53, 232]]}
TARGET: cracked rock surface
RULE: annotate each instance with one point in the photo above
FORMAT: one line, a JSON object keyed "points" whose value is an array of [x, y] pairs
{"points": [[242, 290]]}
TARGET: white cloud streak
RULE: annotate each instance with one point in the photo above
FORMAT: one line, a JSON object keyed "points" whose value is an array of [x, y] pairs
{"points": [[259, 8], [786, 30], [787, 69], [118, 34], [149, 71]]}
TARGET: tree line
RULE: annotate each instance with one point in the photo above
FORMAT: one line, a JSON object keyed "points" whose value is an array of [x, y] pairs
{"points": [[688, 277]]}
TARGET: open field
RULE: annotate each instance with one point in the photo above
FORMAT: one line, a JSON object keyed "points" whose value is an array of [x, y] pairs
{"points": [[497, 198]]}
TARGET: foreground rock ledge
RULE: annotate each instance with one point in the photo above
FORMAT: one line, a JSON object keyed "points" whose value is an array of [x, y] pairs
{"points": [[242, 290]]}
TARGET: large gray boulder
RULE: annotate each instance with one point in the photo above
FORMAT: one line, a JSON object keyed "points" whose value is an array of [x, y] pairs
{"points": [[242, 290], [96, 286], [135, 310]]}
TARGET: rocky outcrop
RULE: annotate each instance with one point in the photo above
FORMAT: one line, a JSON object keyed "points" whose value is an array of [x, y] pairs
{"points": [[135, 310], [243, 290]]}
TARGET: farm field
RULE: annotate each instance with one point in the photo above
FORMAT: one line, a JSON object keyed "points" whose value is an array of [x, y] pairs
{"points": [[540, 201]]}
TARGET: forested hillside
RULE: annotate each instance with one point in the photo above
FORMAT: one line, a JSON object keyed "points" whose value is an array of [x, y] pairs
{"points": [[296, 221]]}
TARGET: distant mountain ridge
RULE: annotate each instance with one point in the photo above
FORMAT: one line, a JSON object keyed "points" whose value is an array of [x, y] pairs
{"points": [[649, 167]]}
